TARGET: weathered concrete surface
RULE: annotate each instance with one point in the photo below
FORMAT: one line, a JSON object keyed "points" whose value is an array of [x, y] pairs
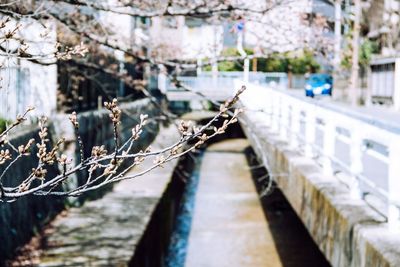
{"points": [[105, 232], [347, 231], [96, 129], [20, 220], [229, 226], [199, 115]]}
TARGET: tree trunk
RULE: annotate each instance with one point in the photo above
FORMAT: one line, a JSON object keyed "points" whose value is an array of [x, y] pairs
{"points": [[254, 64], [338, 44], [353, 92]]}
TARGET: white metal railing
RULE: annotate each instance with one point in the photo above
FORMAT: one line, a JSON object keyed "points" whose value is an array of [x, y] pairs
{"points": [[372, 150], [220, 86], [271, 78], [207, 84], [199, 87]]}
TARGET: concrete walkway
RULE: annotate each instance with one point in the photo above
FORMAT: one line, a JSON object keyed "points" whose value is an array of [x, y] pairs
{"points": [[229, 227], [107, 231]]}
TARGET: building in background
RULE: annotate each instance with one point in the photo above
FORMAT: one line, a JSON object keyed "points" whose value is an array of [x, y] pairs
{"points": [[25, 83], [382, 19], [185, 38]]}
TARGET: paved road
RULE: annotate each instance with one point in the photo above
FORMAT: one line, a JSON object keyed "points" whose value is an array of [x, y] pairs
{"points": [[230, 227], [378, 115]]}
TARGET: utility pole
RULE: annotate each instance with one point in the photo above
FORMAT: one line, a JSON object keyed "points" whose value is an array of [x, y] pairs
{"points": [[239, 28], [214, 66], [353, 92], [243, 54], [338, 36]]}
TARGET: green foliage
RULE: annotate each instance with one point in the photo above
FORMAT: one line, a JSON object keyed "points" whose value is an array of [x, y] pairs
{"points": [[305, 63], [367, 49], [230, 65], [347, 51], [207, 68], [3, 124], [299, 64], [230, 51], [275, 63]]}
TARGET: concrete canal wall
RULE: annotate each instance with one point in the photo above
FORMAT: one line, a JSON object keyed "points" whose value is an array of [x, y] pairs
{"points": [[20, 220], [129, 226], [347, 230]]}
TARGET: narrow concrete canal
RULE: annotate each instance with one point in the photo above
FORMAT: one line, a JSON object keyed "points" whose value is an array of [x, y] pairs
{"points": [[232, 227], [214, 218]]}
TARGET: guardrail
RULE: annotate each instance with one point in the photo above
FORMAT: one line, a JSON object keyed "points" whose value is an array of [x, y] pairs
{"points": [[344, 141], [279, 79], [216, 89], [221, 86], [205, 84]]}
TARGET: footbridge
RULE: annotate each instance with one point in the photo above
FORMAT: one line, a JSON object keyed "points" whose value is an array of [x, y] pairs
{"points": [[216, 87]]}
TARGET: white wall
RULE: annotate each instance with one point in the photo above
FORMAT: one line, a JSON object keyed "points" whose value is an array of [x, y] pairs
{"points": [[25, 83], [204, 41], [184, 42]]}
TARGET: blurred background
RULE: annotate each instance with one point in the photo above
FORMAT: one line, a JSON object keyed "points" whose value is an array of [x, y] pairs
{"points": [[308, 176]]}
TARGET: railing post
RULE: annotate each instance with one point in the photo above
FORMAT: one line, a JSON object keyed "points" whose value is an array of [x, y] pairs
{"points": [[259, 105], [394, 185], [309, 131], [199, 66], [274, 112], [294, 126], [284, 120], [246, 67], [270, 110], [328, 148], [214, 70], [278, 113], [162, 79], [356, 165]]}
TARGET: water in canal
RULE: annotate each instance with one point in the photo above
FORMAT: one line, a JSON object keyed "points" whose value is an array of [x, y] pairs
{"points": [[222, 221], [177, 250]]}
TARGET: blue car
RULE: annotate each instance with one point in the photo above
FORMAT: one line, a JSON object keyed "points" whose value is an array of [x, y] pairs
{"points": [[318, 84]]}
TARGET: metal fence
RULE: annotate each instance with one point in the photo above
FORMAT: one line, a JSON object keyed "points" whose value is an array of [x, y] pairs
{"points": [[270, 78], [364, 149], [382, 82]]}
